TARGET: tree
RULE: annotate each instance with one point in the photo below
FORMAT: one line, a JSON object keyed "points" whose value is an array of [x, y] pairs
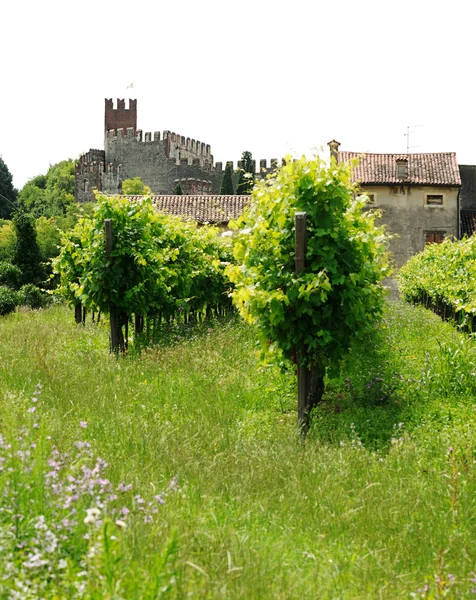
{"points": [[135, 187], [8, 194], [227, 181], [246, 176], [309, 319], [178, 190], [26, 253], [52, 194]]}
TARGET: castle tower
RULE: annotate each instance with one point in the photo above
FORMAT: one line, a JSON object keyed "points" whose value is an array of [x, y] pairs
{"points": [[120, 117]]}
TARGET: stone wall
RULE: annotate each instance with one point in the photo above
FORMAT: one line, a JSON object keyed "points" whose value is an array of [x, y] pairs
{"points": [[406, 214]]}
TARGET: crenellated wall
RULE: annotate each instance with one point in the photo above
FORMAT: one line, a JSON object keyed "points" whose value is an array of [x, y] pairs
{"points": [[88, 175], [158, 159]]}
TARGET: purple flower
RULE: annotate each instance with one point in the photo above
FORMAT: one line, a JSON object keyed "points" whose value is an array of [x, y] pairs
{"points": [[160, 499], [83, 424], [124, 488], [31, 409], [124, 511]]}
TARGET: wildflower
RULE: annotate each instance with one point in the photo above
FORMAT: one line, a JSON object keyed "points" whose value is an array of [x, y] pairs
{"points": [[124, 488], [124, 511], [31, 409], [120, 524], [83, 424], [160, 499], [92, 515]]}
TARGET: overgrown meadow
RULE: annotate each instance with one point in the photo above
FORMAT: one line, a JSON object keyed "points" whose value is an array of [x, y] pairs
{"points": [[178, 472]]}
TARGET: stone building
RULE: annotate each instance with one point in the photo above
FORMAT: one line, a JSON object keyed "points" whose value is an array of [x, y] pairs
{"points": [[418, 194], [160, 160]]}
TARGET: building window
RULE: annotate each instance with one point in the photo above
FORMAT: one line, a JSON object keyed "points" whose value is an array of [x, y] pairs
{"points": [[434, 237], [434, 199]]}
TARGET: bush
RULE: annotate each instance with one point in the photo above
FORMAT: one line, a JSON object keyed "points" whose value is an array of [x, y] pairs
{"points": [[10, 275], [8, 300], [30, 295]]}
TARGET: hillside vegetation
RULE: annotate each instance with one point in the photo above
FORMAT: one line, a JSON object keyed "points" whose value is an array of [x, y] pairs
{"points": [[179, 472]]}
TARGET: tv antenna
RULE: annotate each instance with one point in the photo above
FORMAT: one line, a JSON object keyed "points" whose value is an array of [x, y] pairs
{"points": [[410, 129]]}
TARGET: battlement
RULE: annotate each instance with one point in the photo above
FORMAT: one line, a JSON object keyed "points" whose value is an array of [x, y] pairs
{"points": [[173, 141], [263, 165], [189, 144], [120, 117], [92, 156]]}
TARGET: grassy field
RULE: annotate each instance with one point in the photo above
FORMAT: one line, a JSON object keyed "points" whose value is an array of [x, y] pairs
{"points": [[197, 485]]}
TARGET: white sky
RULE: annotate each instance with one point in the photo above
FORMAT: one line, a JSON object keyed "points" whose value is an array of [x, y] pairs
{"points": [[271, 77]]}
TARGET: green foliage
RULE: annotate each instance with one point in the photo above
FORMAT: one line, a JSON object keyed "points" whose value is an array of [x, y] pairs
{"points": [[7, 240], [10, 275], [8, 300], [135, 187], [443, 277], [177, 191], [51, 194], [246, 175], [159, 264], [8, 194], [339, 293], [48, 236], [227, 181], [30, 295], [204, 410], [27, 254]]}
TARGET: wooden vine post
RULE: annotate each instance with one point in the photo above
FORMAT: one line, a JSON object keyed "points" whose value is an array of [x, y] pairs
{"points": [[300, 219], [113, 317]]}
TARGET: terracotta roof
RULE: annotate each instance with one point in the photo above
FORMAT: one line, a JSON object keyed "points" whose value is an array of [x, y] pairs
{"points": [[467, 222], [204, 209], [423, 169]]}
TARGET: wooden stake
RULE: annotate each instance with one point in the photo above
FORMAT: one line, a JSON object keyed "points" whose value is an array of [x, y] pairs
{"points": [[113, 321], [300, 219]]}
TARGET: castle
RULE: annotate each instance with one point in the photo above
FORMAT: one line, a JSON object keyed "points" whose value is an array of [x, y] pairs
{"points": [[161, 161]]}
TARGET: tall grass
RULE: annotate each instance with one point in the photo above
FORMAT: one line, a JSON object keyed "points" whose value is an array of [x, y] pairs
{"points": [[379, 502]]}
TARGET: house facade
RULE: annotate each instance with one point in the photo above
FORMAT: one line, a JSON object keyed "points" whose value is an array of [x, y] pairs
{"points": [[418, 195]]}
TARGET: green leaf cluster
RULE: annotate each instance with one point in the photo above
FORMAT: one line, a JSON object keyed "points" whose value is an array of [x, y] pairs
{"points": [[159, 264], [311, 317], [443, 273], [51, 194], [135, 187]]}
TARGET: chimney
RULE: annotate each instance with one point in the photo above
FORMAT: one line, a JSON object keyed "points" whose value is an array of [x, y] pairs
{"points": [[402, 168], [334, 149]]}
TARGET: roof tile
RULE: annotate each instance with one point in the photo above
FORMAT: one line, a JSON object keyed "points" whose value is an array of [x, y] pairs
{"points": [[423, 169], [204, 209]]}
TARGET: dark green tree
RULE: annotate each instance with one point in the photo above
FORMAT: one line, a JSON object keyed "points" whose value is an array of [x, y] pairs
{"points": [[227, 181], [246, 176], [178, 190], [27, 255], [8, 194]]}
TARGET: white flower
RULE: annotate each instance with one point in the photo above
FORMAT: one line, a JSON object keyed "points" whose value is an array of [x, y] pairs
{"points": [[120, 524]]}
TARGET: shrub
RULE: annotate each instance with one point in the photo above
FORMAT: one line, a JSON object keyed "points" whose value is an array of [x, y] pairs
{"points": [[8, 300], [30, 295], [10, 275]]}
